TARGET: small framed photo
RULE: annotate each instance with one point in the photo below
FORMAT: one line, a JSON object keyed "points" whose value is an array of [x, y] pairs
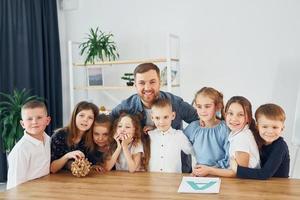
{"points": [[174, 77], [95, 76]]}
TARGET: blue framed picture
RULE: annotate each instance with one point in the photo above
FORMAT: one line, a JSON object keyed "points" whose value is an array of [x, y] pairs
{"points": [[95, 77]]}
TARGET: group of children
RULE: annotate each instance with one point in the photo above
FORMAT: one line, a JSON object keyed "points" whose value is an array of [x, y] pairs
{"points": [[225, 141], [254, 148]]}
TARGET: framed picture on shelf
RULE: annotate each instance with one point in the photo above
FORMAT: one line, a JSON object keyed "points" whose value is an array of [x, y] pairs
{"points": [[174, 77], [95, 77]]}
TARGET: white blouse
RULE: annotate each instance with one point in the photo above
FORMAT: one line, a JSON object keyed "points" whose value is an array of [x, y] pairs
{"points": [[121, 163], [244, 141]]}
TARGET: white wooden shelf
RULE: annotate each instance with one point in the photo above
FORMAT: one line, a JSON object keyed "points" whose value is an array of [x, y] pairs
{"points": [[120, 62], [113, 87], [85, 90], [104, 88]]}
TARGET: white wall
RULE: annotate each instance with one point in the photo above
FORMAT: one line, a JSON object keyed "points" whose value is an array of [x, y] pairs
{"points": [[241, 47]]}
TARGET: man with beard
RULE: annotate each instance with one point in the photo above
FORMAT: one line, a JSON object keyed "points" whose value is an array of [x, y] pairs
{"points": [[147, 83]]}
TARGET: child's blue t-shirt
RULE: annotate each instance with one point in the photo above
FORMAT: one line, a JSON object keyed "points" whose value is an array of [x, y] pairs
{"points": [[210, 144]]}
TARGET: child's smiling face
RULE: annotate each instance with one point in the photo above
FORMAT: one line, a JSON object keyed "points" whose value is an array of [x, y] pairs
{"points": [[270, 130], [235, 117], [34, 120]]}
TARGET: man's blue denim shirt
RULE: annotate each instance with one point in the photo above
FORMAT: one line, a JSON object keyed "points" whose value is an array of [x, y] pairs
{"points": [[183, 110]]}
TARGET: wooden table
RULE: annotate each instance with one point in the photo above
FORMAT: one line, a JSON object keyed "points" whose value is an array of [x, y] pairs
{"points": [[124, 185]]}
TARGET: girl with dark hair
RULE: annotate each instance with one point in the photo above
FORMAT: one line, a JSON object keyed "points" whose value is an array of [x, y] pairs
{"points": [[98, 142], [68, 143]]}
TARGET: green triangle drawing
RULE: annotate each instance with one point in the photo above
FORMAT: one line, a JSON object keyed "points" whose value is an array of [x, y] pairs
{"points": [[204, 186]]}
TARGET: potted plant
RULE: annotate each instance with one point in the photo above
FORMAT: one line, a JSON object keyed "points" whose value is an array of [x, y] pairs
{"points": [[129, 78], [10, 116], [98, 46]]}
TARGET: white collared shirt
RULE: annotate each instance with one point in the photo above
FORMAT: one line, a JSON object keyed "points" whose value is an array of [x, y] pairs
{"points": [[29, 159], [166, 150], [244, 141]]}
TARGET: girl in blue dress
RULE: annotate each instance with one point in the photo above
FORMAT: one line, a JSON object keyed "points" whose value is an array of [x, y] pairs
{"points": [[209, 135]]}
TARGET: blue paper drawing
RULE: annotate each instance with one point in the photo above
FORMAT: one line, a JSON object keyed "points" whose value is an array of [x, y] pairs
{"points": [[204, 186], [200, 185]]}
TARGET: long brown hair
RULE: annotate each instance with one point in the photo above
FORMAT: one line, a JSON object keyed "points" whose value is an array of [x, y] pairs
{"points": [[138, 137], [246, 105], [136, 124], [103, 121], [71, 128], [147, 153]]}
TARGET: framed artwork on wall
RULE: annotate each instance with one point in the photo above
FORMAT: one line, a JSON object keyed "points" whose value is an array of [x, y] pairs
{"points": [[174, 77], [95, 77]]}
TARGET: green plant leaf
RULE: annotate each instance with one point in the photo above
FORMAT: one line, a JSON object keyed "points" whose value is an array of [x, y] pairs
{"points": [[10, 115], [98, 46]]}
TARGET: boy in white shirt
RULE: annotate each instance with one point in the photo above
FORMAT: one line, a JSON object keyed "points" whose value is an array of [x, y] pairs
{"points": [[30, 157], [166, 142]]}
